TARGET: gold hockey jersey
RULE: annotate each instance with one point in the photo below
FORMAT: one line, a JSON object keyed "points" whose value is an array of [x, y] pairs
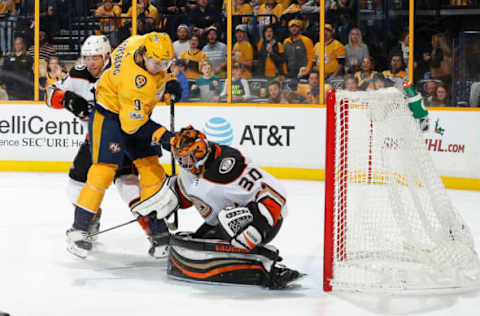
{"points": [[128, 89]]}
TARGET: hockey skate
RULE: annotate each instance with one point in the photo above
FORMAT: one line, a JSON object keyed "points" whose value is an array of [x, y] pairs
{"points": [[280, 277], [78, 243], [159, 245]]}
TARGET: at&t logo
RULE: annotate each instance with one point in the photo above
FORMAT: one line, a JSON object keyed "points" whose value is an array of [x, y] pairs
{"points": [[219, 131]]}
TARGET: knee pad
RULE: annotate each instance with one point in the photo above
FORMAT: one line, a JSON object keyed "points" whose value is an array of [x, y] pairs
{"points": [[100, 176], [152, 176]]}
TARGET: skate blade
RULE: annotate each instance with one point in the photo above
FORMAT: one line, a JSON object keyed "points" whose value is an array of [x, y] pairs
{"points": [[292, 284], [78, 252]]}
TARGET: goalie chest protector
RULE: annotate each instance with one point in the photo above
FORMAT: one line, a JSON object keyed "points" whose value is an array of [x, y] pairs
{"points": [[230, 179]]}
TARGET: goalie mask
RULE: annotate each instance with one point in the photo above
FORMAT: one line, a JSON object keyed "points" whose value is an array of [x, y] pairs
{"points": [[190, 149]]}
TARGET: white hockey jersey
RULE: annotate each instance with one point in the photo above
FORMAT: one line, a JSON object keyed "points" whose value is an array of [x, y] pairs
{"points": [[232, 180], [80, 81]]}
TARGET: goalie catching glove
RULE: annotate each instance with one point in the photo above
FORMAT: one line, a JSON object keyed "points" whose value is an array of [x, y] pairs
{"points": [[245, 226]]}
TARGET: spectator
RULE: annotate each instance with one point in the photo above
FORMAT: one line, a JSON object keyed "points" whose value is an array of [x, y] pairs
{"points": [[293, 10], [404, 46], [183, 43], [49, 16], [3, 91], [46, 49], [460, 3], [270, 7], [243, 51], [193, 58], [49, 74], [147, 14], [203, 16], [216, 52], [275, 94], [241, 7], [341, 13], [429, 92], [54, 71], [110, 20], [271, 55], [178, 68], [335, 54], [310, 7], [350, 83], [207, 84], [298, 49], [441, 59], [240, 87], [310, 91], [17, 72], [172, 14], [397, 72], [380, 82], [440, 98], [366, 74], [355, 51], [7, 7]]}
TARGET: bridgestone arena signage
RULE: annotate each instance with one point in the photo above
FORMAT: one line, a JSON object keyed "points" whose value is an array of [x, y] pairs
{"points": [[275, 137]]}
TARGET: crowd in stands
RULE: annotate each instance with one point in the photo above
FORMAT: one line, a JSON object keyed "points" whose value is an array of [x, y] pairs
{"points": [[276, 51]]}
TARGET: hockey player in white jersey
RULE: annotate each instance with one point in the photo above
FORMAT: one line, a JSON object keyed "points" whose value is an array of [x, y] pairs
{"points": [[243, 208], [76, 93]]}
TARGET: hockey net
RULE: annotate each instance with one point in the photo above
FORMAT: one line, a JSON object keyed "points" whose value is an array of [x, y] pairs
{"points": [[389, 224]]}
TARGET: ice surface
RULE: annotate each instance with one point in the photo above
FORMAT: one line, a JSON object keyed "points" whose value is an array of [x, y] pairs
{"points": [[39, 277]]}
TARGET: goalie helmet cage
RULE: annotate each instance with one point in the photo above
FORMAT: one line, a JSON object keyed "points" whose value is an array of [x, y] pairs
{"points": [[389, 224]]}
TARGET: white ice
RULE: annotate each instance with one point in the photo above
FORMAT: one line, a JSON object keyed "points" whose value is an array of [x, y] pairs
{"points": [[39, 277]]}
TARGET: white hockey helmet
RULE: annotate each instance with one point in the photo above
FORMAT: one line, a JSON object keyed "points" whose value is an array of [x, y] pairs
{"points": [[96, 45]]}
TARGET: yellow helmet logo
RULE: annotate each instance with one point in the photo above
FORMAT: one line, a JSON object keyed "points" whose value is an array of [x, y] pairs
{"points": [[158, 46]]}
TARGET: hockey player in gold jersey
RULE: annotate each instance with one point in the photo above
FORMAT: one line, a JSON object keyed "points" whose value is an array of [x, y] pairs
{"points": [[120, 125]]}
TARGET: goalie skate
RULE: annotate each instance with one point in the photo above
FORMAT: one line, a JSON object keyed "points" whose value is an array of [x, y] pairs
{"points": [[159, 245], [78, 244], [281, 277]]}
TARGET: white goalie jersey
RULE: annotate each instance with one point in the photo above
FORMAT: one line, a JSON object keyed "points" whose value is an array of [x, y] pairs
{"points": [[231, 180]]}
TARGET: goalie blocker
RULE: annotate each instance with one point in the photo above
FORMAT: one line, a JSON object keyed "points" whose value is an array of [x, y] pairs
{"points": [[217, 261]]}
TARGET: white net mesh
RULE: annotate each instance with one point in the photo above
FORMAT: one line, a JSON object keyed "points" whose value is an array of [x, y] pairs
{"points": [[395, 228]]}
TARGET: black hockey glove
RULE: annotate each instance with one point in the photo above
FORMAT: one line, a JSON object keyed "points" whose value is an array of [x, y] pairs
{"points": [[174, 89], [77, 105]]}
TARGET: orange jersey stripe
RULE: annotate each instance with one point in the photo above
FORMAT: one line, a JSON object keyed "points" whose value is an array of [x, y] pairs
{"points": [[273, 207], [205, 275]]}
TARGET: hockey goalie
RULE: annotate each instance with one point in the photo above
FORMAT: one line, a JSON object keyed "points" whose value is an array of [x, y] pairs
{"points": [[243, 208]]}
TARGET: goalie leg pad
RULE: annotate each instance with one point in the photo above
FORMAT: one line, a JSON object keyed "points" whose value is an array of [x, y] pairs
{"points": [[210, 260], [163, 202], [202, 260]]}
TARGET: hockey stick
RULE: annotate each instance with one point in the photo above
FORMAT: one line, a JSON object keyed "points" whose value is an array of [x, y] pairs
{"points": [[115, 227], [174, 224]]}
